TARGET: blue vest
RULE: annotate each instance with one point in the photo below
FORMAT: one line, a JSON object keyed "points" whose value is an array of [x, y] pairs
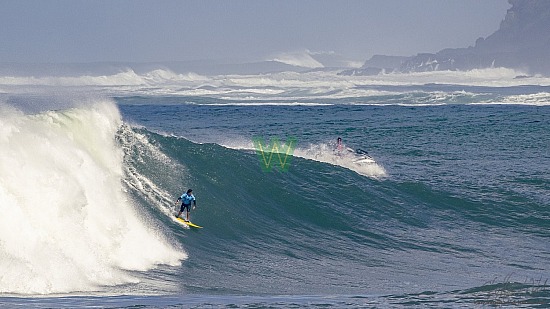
{"points": [[187, 199]]}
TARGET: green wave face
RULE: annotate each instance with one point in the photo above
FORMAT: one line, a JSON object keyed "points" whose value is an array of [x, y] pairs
{"points": [[320, 228]]}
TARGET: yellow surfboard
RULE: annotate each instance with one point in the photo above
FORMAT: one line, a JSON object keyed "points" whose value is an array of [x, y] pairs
{"points": [[191, 224]]}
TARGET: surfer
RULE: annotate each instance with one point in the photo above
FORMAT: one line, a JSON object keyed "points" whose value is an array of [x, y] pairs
{"points": [[186, 200], [339, 146]]}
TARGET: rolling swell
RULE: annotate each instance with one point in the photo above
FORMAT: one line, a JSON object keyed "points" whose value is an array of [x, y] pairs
{"points": [[320, 228]]}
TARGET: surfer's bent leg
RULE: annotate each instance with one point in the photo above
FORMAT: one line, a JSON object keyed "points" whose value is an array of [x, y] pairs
{"points": [[185, 207]]}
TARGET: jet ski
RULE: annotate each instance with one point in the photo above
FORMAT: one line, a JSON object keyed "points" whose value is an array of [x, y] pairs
{"points": [[357, 156], [362, 157]]}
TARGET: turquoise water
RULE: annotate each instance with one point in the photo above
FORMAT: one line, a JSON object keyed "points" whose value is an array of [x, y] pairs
{"points": [[455, 212]]}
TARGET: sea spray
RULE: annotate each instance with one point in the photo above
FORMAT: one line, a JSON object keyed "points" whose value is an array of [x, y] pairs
{"points": [[320, 152], [66, 223]]}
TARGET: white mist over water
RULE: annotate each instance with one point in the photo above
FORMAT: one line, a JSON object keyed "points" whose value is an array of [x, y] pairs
{"points": [[66, 224], [273, 87]]}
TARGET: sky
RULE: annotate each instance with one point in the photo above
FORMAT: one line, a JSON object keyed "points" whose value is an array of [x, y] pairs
{"points": [[62, 31]]}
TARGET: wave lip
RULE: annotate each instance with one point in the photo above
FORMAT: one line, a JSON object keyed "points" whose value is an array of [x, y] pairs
{"points": [[66, 223]]}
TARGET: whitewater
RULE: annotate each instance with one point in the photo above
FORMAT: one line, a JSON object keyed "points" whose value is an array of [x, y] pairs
{"points": [[67, 223], [453, 211]]}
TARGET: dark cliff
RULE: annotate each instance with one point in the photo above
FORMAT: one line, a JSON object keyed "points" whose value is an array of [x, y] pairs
{"points": [[522, 42]]}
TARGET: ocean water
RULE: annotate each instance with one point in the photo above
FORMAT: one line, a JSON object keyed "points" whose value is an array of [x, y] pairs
{"points": [[454, 212]]}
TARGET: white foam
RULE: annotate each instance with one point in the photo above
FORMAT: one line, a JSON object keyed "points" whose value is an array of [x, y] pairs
{"points": [[324, 152], [535, 99], [268, 104], [137, 147], [286, 86], [126, 78], [66, 223], [321, 152]]}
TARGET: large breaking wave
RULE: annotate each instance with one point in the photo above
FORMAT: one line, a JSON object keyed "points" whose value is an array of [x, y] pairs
{"points": [[67, 224]]}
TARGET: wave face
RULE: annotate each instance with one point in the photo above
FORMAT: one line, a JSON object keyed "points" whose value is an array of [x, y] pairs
{"points": [[88, 203], [67, 224], [325, 229]]}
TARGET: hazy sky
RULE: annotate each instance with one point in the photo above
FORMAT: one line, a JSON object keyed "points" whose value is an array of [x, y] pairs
{"points": [[157, 30]]}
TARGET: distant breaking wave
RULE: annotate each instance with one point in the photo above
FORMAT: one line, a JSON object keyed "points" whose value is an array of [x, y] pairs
{"points": [[313, 88], [299, 59]]}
